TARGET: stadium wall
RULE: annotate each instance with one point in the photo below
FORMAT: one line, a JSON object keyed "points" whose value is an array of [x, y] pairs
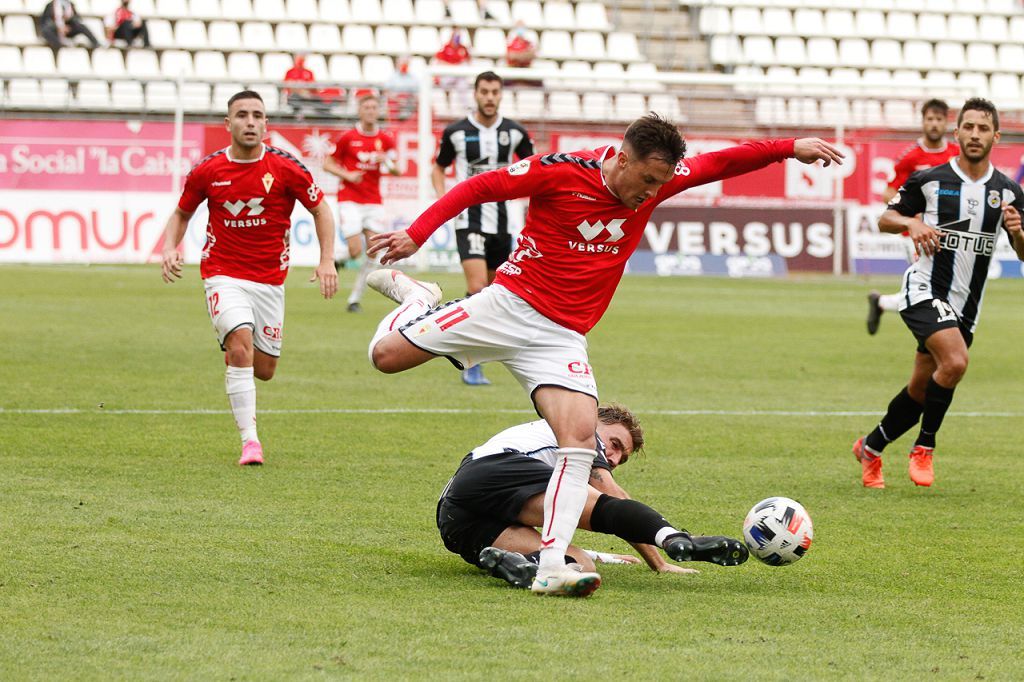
{"points": [[86, 191]]}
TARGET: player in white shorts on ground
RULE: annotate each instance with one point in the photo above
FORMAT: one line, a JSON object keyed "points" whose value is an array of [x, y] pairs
{"points": [[250, 189], [361, 155], [587, 214]]}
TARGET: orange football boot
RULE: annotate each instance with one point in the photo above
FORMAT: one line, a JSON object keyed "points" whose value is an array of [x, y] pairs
{"points": [[921, 472], [871, 466]]}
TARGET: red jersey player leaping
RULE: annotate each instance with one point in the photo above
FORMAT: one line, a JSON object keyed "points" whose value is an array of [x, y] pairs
{"points": [[360, 156], [931, 149], [587, 214], [250, 189]]}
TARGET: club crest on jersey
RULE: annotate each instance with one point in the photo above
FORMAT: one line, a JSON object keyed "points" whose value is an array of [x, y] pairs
{"points": [[994, 198], [682, 168], [503, 138], [268, 180], [520, 168]]}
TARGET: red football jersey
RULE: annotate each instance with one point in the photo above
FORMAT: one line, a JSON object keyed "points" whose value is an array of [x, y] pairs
{"points": [[920, 157], [578, 235], [250, 205], [355, 150]]}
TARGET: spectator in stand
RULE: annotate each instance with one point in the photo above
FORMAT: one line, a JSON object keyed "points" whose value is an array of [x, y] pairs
{"points": [[401, 90], [482, 4], [125, 24], [301, 99], [455, 53], [60, 22], [520, 51]]}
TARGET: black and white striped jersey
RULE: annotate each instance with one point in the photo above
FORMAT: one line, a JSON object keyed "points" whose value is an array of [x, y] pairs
{"points": [[969, 215], [534, 439], [476, 149]]}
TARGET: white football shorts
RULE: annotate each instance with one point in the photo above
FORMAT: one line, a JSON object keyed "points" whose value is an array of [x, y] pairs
{"points": [[234, 303], [355, 218], [496, 325]]}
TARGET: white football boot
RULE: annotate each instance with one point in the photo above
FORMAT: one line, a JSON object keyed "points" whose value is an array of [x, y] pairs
{"points": [[399, 287], [566, 583]]}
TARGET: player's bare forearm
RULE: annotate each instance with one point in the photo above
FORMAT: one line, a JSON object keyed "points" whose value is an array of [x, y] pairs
{"points": [[437, 180], [651, 556], [888, 194], [602, 481], [323, 220], [174, 232], [893, 222], [331, 166]]}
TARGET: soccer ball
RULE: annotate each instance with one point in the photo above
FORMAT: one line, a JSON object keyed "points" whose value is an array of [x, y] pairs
{"points": [[778, 531]]}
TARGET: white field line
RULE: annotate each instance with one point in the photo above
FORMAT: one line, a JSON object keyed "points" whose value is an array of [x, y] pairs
{"points": [[440, 410]]}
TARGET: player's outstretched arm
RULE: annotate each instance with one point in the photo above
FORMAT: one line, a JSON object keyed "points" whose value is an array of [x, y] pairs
{"points": [[174, 232], [325, 272], [925, 238], [811, 149], [394, 245], [1012, 223]]}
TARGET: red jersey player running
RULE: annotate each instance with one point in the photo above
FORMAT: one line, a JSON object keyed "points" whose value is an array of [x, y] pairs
{"points": [[360, 155], [250, 189], [931, 149], [588, 211]]}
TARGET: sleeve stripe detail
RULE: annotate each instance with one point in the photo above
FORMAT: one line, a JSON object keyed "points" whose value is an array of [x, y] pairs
{"points": [[208, 157], [551, 159], [286, 155]]}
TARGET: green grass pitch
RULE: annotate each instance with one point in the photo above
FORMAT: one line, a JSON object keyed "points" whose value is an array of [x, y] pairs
{"points": [[133, 547]]}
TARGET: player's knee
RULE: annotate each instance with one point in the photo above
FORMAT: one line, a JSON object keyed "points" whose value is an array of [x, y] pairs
{"points": [[239, 356], [954, 367], [384, 358]]}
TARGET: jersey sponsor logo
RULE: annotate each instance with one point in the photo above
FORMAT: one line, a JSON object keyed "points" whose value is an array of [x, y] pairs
{"points": [[585, 247], [503, 138], [972, 206], [268, 181], [579, 369], [272, 333], [948, 193], [590, 231], [682, 168], [526, 248], [957, 236], [235, 207], [220, 183], [581, 195], [993, 198], [521, 168]]}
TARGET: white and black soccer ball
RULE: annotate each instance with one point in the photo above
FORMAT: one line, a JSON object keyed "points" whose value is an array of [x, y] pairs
{"points": [[778, 531]]}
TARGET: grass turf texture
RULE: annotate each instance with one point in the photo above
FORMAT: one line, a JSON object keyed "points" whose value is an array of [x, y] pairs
{"points": [[132, 546]]}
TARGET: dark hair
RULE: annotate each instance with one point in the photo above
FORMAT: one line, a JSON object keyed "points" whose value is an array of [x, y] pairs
{"points": [[487, 76], [619, 414], [979, 104], [654, 136], [934, 105], [244, 94]]}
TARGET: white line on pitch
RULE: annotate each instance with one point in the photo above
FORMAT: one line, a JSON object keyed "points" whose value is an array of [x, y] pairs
{"points": [[441, 410]]}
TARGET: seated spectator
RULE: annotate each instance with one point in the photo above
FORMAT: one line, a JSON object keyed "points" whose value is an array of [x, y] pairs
{"points": [[298, 98], [401, 90], [454, 53], [520, 51], [125, 24], [60, 22]]}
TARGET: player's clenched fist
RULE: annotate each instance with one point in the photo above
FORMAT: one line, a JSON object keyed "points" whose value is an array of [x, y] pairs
{"points": [[1011, 219], [172, 265]]}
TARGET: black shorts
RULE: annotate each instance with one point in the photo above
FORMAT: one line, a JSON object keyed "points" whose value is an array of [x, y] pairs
{"points": [[494, 248], [927, 317], [484, 498]]}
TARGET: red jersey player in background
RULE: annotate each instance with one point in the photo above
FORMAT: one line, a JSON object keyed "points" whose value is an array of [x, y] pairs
{"points": [[360, 155], [931, 149], [250, 189], [587, 214]]}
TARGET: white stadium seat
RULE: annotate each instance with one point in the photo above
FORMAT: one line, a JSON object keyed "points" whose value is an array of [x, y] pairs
{"points": [[222, 92], [1011, 56], [746, 21], [588, 45], [23, 92], [623, 46], [869, 23], [292, 37], [555, 45], [612, 75], [822, 52], [564, 105], [529, 12], [559, 14], [1004, 86], [270, 94], [377, 68], [161, 35], [175, 9], [38, 61], [975, 83], [598, 106], [993, 28], [74, 61], [257, 35], [808, 22], [530, 103], [175, 63], [391, 40], [108, 63], [839, 23], [900, 113], [335, 11], [665, 104], [275, 65], [245, 67], [225, 36], [918, 54], [488, 42], [501, 12], [777, 21], [639, 74], [344, 68], [365, 11], [429, 11], [854, 52], [464, 13], [303, 10], [196, 96], [835, 111], [725, 49], [950, 55], [325, 38], [54, 93], [240, 10], [210, 64], [93, 94], [126, 95], [399, 11], [758, 50], [931, 26], [357, 39], [204, 9], [424, 40], [10, 60], [20, 30], [269, 10], [886, 54], [901, 25], [592, 15], [161, 96], [11, 7], [715, 20], [190, 34], [790, 50]]}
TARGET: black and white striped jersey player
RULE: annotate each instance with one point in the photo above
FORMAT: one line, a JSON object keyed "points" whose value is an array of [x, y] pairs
{"points": [[963, 205]]}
